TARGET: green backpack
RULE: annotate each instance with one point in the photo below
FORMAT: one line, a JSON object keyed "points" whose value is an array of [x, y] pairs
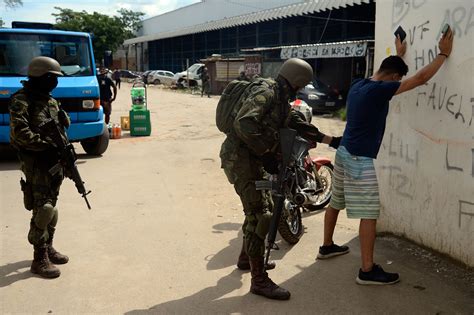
{"points": [[231, 101]]}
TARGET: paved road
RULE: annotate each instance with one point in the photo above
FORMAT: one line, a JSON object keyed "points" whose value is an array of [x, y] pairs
{"points": [[164, 234]]}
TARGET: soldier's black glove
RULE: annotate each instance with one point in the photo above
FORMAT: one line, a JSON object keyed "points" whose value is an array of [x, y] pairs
{"points": [[335, 142], [270, 163]]}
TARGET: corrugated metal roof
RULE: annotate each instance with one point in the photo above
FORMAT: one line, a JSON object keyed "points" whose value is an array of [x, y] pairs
{"points": [[307, 7]]}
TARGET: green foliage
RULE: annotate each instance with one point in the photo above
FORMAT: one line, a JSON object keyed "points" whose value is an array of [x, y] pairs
{"points": [[108, 32], [131, 20], [13, 3], [342, 114]]}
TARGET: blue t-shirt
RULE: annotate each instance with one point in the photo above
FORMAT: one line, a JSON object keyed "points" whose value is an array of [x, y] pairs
{"points": [[367, 109]]}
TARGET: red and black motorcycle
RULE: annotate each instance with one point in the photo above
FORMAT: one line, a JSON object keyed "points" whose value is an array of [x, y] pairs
{"points": [[308, 185]]}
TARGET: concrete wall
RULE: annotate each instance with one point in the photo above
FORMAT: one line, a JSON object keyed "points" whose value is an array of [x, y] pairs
{"points": [[206, 11], [426, 164]]}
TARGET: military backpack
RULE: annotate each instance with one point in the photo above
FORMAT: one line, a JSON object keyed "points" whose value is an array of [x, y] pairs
{"points": [[231, 101]]}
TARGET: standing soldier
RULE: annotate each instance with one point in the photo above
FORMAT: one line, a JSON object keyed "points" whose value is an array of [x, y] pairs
{"points": [[206, 82], [29, 107], [106, 95], [252, 146]]}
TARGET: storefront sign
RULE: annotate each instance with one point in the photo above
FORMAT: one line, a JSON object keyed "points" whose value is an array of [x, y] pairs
{"points": [[342, 50]]}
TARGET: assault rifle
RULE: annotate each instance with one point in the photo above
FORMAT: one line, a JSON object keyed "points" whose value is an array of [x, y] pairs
{"points": [[287, 139], [67, 156]]}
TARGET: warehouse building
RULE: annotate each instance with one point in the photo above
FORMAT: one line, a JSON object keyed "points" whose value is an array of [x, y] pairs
{"points": [[335, 37]]}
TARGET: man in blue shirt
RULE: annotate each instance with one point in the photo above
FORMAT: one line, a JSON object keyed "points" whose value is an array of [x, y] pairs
{"points": [[355, 184]]}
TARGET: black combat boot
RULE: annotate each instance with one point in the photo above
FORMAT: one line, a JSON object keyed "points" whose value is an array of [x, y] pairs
{"points": [[54, 256], [262, 284], [41, 264], [244, 264]]}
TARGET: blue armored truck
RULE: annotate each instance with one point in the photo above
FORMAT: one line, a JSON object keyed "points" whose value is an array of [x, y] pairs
{"points": [[77, 90]]}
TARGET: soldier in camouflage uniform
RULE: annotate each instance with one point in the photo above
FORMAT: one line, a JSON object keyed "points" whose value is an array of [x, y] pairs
{"points": [[29, 107], [251, 148]]}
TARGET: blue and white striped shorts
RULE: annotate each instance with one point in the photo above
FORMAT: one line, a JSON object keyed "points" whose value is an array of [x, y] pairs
{"points": [[355, 186]]}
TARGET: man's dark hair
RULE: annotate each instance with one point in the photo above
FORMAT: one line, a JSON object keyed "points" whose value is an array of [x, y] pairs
{"points": [[394, 64]]}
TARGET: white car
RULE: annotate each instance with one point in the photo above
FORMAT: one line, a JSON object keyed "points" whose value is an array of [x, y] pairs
{"points": [[194, 73], [161, 77]]}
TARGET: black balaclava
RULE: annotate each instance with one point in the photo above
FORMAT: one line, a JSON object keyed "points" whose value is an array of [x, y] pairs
{"points": [[44, 84]]}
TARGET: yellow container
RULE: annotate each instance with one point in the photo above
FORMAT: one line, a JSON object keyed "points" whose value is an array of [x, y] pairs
{"points": [[125, 122]]}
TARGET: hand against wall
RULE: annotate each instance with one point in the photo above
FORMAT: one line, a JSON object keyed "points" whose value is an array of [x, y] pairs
{"points": [[446, 42], [401, 47]]}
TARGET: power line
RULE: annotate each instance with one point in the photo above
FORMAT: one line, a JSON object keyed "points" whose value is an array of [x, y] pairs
{"points": [[244, 5], [325, 25]]}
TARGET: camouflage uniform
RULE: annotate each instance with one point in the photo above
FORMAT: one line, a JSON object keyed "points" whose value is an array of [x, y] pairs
{"points": [[28, 109], [264, 111]]}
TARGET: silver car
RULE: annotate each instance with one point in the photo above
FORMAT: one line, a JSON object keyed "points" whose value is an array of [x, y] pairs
{"points": [[161, 77]]}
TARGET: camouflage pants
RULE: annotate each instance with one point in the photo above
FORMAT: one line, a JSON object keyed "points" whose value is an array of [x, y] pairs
{"points": [[206, 88], [242, 170], [44, 195]]}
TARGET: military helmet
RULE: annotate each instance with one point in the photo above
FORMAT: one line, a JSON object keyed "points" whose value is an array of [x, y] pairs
{"points": [[297, 72], [41, 65]]}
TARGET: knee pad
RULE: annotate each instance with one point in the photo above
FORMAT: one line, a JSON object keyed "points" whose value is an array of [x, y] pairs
{"points": [[46, 214]]}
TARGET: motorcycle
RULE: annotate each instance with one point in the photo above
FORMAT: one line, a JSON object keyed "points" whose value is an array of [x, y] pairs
{"points": [[307, 187]]}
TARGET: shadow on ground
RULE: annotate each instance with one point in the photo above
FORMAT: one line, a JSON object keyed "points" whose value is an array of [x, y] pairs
{"points": [[328, 286], [11, 273], [228, 256]]}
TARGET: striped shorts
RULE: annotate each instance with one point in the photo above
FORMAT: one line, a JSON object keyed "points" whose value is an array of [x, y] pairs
{"points": [[355, 186]]}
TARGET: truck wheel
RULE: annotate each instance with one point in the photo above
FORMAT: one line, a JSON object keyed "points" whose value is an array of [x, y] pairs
{"points": [[97, 145], [180, 83]]}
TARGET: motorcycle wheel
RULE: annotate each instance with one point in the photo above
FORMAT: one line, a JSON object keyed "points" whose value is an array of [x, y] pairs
{"points": [[326, 174], [291, 225]]}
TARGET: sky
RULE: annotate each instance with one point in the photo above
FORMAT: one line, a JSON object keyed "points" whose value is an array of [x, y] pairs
{"points": [[40, 10]]}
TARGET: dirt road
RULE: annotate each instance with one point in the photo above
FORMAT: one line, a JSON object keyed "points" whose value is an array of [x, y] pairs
{"points": [[163, 236]]}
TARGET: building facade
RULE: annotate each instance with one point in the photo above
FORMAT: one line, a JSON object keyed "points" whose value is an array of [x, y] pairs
{"points": [[275, 33]]}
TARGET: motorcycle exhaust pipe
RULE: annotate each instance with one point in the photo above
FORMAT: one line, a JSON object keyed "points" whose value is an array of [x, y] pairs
{"points": [[304, 198], [300, 198]]}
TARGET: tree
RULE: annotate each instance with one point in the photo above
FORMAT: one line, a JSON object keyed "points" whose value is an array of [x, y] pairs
{"points": [[10, 4], [108, 32], [131, 20], [13, 3]]}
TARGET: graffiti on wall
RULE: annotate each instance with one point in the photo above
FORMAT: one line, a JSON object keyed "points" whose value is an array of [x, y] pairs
{"points": [[450, 102], [253, 68]]}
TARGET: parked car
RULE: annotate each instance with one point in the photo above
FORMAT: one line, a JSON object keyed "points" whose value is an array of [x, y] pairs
{"points": [[128, 74], [161, 77], [321, 97], [194, 72]]}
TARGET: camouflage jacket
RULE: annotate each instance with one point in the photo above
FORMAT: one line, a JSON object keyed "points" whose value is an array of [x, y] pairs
{"points": [[262, 115], [28, 109]]}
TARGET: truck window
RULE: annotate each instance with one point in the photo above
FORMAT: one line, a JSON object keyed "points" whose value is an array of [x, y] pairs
{"points": [[17, 50], [194, 67]]}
